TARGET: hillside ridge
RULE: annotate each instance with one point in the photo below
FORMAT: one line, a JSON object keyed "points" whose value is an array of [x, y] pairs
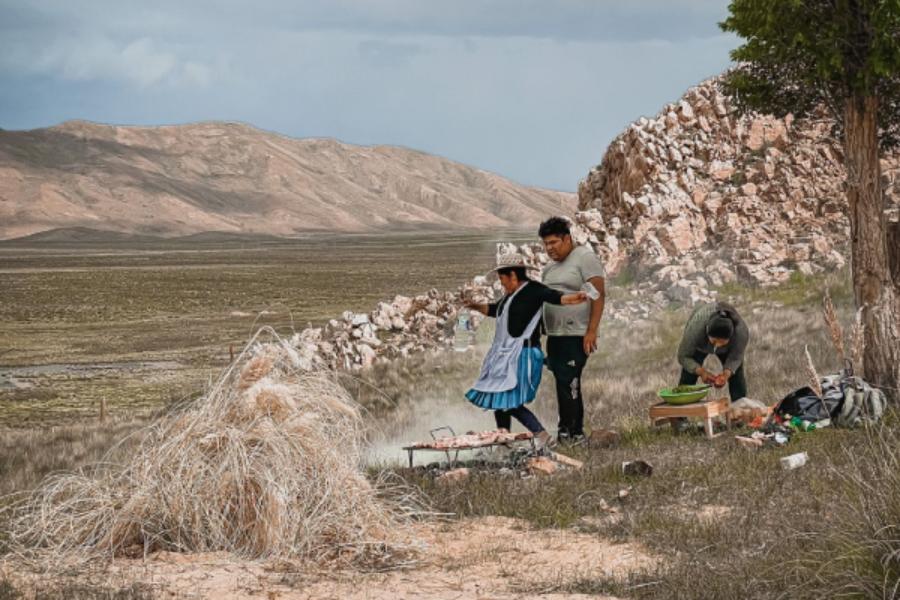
{"points": [[175, 180]]}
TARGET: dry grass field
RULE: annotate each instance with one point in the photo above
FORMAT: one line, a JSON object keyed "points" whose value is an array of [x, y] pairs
{"points": [[716, 520], [727, 522], [143, 324]]}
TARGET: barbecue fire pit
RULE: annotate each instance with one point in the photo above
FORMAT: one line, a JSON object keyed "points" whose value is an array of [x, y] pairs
{"points": [[470, 441]]}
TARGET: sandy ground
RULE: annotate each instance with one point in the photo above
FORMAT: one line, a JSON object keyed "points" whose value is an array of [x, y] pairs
{"points": [[488, 558]]}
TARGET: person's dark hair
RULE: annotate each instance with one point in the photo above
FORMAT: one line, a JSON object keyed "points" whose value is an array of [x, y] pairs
{"points": [[554, 226], [720, 326], [521, 272]]}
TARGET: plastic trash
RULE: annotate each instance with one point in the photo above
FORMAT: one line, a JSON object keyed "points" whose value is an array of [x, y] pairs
{"points": [[589, 289], [637, 468], [463, 332], [794, 461]]}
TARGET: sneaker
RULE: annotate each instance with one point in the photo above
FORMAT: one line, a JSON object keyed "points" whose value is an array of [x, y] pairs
{"points": [[572, 439], [682, 425], [685, 426]]}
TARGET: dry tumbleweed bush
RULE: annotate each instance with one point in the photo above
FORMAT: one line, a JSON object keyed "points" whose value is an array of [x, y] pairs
{"points": [[266, 464], [858, 341], [834, 326], [815, 381]]}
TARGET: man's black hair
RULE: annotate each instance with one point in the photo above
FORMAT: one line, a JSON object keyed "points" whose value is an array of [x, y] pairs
{"points": [[521, 273], [554, 226]]}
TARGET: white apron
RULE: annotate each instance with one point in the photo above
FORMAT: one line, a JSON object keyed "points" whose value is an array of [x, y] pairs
{"points": [[499, 371]]}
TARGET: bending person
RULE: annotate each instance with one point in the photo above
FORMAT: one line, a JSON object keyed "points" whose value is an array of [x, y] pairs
{"points": [[718, 329], [511, 372]]}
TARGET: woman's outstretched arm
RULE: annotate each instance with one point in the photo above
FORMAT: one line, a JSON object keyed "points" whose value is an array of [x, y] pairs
{"points": [[481, 307], [576, 298]]}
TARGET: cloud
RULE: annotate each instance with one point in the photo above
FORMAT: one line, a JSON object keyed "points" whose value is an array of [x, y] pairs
{"points": [[531, 89], [593, 20], [141, 62], [384, 53]]}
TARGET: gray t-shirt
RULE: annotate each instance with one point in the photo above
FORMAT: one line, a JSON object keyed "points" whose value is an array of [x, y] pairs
{"points": [[568, 276]]}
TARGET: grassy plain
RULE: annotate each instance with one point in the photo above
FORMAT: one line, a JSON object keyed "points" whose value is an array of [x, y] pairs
{"points": [[725, 522], [141, 324]]}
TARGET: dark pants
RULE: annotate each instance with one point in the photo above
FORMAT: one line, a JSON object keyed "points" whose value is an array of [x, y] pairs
{"points": [[737, 384], [522, 415], [566, 360]]}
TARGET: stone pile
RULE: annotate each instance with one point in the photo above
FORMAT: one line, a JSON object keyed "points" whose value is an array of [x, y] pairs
{"points": [[393, 330], [699, 196], [682, 203]]}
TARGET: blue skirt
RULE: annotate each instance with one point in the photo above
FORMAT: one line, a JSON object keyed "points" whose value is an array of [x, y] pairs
{"points": [[525, 389]]}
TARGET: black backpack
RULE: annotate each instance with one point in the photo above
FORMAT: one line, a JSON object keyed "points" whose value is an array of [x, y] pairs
{"points": [[847, 400]]}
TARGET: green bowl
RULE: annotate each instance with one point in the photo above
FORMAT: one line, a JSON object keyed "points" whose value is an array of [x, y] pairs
{"points": [[685, 394]]}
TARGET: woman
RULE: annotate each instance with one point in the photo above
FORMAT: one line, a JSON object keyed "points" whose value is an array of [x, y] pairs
{"points": [[511, 371], [715, 328]]}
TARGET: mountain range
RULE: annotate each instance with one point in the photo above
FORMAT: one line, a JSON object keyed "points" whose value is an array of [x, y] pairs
{"points": [[229, 177]]}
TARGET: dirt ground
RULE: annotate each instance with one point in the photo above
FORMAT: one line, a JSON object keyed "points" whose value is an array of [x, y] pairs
{"points": [[485, 558]]}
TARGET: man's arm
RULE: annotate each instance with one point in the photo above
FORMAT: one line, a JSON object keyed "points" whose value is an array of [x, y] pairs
{"points": [[590, 336]]}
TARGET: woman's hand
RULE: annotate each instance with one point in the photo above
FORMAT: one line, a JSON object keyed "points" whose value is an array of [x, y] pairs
{"points": [[576, 298], [722, 378], [471, 305], [706, 376]]}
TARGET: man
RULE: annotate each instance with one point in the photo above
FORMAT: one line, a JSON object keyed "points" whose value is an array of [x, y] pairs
{"points": [[718, 329], [571, 330]]}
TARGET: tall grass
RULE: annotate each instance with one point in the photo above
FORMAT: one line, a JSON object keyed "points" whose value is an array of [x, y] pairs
{"points": [[723, 521], [858, 554]]}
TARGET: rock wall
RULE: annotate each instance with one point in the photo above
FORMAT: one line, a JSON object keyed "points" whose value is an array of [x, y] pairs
{"points": [[698, 196], [686, 201]]}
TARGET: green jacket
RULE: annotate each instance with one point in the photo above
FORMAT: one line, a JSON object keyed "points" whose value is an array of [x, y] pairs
{"points": [[695, 341]]}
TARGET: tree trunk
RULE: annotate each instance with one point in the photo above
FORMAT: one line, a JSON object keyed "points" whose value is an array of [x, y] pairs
{"points": [[873, 285], [893, 244]]}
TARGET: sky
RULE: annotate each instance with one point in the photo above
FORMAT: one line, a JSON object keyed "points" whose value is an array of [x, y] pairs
{"points": [[532, 89]]}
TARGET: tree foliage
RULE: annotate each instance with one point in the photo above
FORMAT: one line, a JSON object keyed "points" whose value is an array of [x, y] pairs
{"points": [[800, 55]]}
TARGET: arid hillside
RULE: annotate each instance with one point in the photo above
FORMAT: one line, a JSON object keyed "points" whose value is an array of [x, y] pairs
{"points": [[185, 179]]}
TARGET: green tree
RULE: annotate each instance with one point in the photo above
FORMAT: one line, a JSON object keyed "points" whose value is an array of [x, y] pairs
{"points": [[842, 56]]}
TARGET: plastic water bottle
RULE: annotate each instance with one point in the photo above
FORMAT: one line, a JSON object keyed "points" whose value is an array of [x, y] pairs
{"points": [[802, 424], [462, 333], [589, 289], [794, 461]]}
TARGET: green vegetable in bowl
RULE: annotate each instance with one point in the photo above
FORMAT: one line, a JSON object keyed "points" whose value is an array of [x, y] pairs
{"points": [[685, 389]]}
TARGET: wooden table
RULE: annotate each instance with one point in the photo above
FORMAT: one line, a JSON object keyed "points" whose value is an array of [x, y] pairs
{"points": [[706, 411]]}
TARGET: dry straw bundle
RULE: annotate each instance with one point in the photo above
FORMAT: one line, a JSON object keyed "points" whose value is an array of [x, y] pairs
{"points": [[267, 464]]}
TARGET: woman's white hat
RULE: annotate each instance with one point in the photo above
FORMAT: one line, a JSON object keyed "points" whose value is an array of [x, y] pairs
{"points": [[509, 260]]}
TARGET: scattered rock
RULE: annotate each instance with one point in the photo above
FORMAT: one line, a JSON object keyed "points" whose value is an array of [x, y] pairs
{"points": [[566, 460], [604, 438], [748, 442], [541, 465], [637, 467], [454, 476]]}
